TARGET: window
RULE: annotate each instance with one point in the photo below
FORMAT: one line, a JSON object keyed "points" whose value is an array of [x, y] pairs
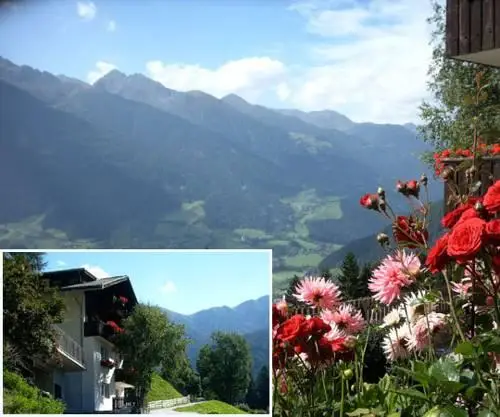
{"points": [[105, 390], [104, 353], [57, 391]]}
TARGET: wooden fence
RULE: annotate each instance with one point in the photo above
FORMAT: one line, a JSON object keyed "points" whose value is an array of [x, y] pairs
{"points": [[371, 309], [154, 405]]}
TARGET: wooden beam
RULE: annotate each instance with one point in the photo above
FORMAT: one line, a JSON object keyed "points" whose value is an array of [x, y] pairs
{"points": [[464, 27], [476, 25], [496, 20], [488, 41], [452, 27]]}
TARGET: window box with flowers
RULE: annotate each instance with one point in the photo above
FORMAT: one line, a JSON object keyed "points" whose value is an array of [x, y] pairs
{"points": [[456, 168], [120, 300], [108, 363], [114, 327]]}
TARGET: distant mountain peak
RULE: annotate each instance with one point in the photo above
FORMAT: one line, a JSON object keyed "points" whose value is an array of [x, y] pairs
{"points": [[112, 75], [234, 99]]}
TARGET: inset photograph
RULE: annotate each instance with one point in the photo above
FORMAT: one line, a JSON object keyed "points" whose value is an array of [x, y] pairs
{"points": [[134, 332]]}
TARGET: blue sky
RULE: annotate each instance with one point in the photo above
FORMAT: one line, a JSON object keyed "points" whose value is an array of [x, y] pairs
{"points": [[185, 282], [353, 56]]}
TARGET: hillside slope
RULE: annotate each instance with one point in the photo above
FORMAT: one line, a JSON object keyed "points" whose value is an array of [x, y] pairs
{"points": [[250, 319]]}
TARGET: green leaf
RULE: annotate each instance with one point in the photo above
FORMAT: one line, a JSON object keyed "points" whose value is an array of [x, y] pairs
{"points": [[397, 414], [444, 370], [451, 387], [473, 393], [359, 412], [465, 348], [413, 393], [446, 411], [486, 413]]}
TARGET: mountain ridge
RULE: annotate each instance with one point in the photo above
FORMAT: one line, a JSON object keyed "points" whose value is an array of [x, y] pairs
{"points": [[250, 318], [201, 172]]}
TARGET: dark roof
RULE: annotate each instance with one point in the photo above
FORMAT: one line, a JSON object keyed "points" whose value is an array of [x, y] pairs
{"points": [[62, 272], [99, 284]]}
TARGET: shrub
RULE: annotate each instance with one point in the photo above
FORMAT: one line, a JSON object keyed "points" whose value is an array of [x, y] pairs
{"points": [[21, 398]]}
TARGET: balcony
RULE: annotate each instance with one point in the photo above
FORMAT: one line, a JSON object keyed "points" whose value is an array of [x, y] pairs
{"points": [[97, 328], [70, 352]]}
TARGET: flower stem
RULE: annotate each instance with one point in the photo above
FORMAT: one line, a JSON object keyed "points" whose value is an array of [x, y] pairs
{"points": [[452, 307]]}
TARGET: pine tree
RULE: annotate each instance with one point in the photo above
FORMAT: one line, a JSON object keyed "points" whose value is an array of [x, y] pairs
{"points": [[349, 277], [291, 290], [364, 277]]}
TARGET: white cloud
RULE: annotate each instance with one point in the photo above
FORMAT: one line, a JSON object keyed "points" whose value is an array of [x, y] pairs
{"points": [[373, 61], [249, 77], [283, 91], [369, 62], [97, 271], [111, 26], [168, 288], [101, 69], [86, 10], [61, 263]]}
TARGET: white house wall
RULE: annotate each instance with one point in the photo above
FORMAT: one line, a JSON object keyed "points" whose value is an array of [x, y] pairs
{"points": [[73, 392], [94, 376]]}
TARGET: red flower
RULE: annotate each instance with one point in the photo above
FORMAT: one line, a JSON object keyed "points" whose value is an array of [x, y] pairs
{"points": [[466, 239], [294, 328], [370, 201], [114, 326], [491, 200], [124, 300], [413, 188], [437, 257], [407, 231], [317, 327], [452, 218], [493, 231]]}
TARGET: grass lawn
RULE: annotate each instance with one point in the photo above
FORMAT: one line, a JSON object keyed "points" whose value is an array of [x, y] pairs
{"points": [[211, 407], [162, 390], [303, 261]]}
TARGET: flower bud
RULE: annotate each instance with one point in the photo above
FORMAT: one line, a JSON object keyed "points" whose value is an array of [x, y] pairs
{"points": [[447, 173], [382, 239], [381, 192], [423, 180], [401, 187], [470, 172], [370, 202], [350, 342], [479, 207], [347, 374], [413, 188]]}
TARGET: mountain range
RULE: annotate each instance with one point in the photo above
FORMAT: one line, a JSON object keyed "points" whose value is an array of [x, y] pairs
{"points": [[129, 163], [250, 319]]}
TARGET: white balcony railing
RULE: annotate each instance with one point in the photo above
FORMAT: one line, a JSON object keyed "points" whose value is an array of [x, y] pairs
{"points": [[68, 345]]}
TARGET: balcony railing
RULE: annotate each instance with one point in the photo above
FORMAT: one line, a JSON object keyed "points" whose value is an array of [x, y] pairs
{"points": [[68, 345]]}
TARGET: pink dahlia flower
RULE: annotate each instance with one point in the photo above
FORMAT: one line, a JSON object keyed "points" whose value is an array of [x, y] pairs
{"points": [[394, 273], [346, 317], [318, 292]]}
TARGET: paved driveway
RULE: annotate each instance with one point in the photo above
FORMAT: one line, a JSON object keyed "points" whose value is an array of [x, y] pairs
{"points": [[172, 411]]}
